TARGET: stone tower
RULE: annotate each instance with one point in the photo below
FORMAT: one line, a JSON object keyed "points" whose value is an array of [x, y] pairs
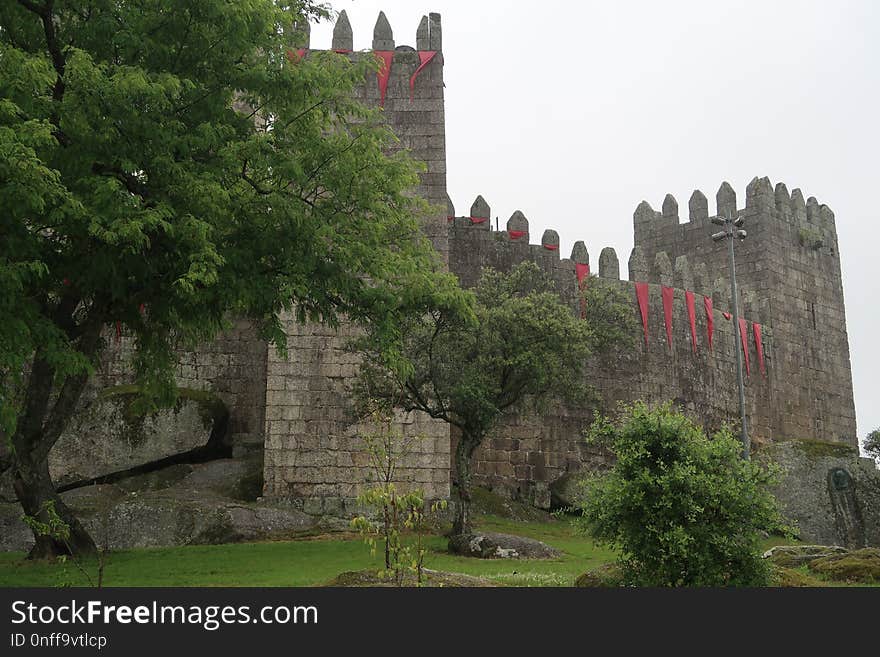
{"points": [[788, 269], [313, 454]]}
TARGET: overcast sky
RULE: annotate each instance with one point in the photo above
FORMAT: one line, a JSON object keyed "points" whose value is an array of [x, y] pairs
{"points": [[574, 112]]}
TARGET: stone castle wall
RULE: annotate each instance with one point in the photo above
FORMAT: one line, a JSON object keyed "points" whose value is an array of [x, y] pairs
{"points": [[527, 453], [313, 446]]}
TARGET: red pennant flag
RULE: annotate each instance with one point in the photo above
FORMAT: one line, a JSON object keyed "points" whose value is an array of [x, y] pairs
{"points": [[118, 331], [479, 220], [296, 55], [141, 309], [759, 347], [710, 319], [642, 296], [582, 271], [342, 51], [516, 234], [668, 294], [745, 345], [551, 247], [450, 218], [726, 316], [425, 57], [384, 74], [692, 317]]}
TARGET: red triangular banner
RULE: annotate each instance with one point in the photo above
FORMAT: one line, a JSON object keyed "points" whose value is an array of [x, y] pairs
{"points": [[668, 295], [582, 271], [297, 55], [479, 220], [759, 347], [551, 247], [425, 57], [710, 319], [450, 218], [642, 296], [386, 57], [692, 317], [745, 345], [516, 234], [726, 316]]}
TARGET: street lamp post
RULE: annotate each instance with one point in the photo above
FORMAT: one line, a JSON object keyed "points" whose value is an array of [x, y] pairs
{"points": [[732, 229]]}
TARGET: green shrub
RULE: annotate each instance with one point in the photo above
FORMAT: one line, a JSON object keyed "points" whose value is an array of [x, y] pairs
{"points": [[682, 508]]}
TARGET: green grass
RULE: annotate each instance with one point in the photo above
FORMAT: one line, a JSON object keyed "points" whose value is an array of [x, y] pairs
{"points": [[309, 562], [317, 560]]}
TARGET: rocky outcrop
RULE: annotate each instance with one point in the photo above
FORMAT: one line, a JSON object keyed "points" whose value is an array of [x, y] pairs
{"points": [[829, 491], [184, 504]]}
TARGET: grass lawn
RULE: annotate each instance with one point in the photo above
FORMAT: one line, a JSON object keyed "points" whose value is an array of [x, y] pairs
{"points": [[310, 561], [316, 560]]}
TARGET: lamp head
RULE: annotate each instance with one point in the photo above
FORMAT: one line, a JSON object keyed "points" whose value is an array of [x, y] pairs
{"points": [[719, 236]]}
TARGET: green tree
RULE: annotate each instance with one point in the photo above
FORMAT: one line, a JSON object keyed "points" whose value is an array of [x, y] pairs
{"points": [[872, 445], [683, 508], [164, 165], [523, 347]]}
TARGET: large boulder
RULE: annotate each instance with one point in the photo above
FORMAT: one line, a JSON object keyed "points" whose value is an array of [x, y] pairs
{"points": [[489, 545], [109, 433], [183, 504]]}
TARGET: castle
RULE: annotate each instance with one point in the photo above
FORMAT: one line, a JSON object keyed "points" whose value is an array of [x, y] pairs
{"points": [[295, 413], [799, 385]]}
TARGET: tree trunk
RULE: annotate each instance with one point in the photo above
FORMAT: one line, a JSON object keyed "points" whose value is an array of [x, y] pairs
{"points": [[461, 525], [38, 429], [36, 493]]}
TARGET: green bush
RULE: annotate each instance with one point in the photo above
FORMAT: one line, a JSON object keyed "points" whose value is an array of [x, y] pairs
{"points": [[682, 508]]}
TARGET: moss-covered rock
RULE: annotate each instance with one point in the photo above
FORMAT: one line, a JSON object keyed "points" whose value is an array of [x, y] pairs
{"points": [[605, 576], [431, 579], [792, 556], [858, 566]]}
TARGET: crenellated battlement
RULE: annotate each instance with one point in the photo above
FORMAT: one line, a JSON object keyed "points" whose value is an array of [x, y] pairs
{"points": [[475, 243], [810, 224], [429, 35]]}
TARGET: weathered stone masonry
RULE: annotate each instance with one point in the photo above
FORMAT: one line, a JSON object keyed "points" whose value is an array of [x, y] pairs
{"points": [[313, 448]]}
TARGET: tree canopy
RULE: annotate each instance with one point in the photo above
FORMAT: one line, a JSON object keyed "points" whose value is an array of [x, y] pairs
{"points": [[525, 347], [165, 165]]}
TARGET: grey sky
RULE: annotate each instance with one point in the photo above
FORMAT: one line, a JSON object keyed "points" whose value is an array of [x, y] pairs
{"points": [[573, 112]]}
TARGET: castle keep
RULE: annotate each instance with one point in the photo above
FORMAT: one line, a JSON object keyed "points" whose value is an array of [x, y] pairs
{"points": [[293, 415]]}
